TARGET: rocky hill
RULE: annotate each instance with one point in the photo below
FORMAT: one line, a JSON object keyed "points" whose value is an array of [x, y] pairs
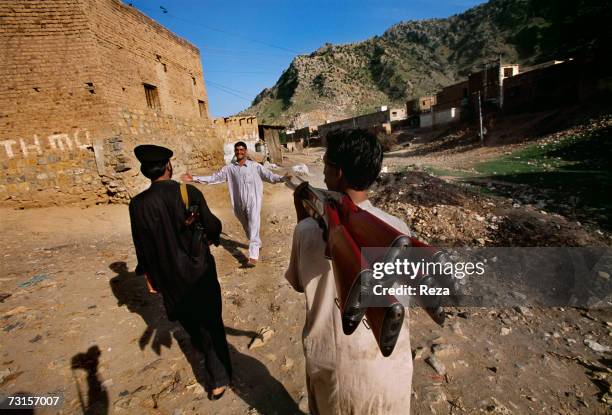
{"points": [[418, 57]]}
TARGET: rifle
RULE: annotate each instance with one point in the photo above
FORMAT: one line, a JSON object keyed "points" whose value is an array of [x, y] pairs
{"points": [[346, 230]]}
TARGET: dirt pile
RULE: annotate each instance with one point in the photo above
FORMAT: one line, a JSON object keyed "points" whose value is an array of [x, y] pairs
{"points": [[452, 214]]}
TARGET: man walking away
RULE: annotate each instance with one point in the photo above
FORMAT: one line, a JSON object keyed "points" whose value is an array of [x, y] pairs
{"points": [[171, 243]]}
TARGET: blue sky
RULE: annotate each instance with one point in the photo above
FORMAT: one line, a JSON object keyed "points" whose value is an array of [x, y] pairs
{"points": [[246, 45]]}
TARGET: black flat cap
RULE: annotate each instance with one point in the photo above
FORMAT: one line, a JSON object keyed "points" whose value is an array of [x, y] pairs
{"points": [[148, 153]]}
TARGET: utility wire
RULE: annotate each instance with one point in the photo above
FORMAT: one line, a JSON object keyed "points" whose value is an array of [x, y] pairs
{"points": [[237, 91], [214, 29], [231, 93], [243, 51], [237, 72]]}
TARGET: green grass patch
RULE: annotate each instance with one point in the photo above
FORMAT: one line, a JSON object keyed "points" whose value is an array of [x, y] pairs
{"points": [[575, 170], [439, 171]]}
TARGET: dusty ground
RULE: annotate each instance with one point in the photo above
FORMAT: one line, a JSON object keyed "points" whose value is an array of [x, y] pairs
{"points": [[85, 295]]}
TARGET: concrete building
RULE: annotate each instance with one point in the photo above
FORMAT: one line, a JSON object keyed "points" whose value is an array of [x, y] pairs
{"points": [[300, 138], [303, 134], [83, 83]]}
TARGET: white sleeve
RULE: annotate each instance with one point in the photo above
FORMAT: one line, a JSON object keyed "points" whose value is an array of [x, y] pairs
{"points": [[267, 175], [218, 177]]}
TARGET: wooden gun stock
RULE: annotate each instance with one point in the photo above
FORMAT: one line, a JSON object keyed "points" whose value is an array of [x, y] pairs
{"points": [[347, 229], [368, 230], [350, 270]]}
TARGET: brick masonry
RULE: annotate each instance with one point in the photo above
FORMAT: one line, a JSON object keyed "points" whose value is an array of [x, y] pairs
{"points": [[73, 103]]}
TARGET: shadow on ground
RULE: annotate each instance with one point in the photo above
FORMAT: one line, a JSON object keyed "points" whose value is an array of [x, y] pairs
{"points": [[97, 402], [232, 247], [252, 381]]}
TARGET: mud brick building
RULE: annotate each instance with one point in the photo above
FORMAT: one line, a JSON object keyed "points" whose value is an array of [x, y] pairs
{"points": [[232, 129], [558, 83], [82, 83], [375, 121], [490, 83], [419, 105]]}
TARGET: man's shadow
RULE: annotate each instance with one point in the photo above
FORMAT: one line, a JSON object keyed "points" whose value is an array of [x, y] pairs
{"points": [[97, 396], [131, 290], [252, 381], [232, 247]]}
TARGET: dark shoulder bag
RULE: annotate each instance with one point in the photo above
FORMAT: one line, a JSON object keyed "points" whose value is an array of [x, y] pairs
{"points": [[192, 222]]}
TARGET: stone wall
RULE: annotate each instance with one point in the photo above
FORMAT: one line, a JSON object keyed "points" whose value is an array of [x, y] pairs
{"points": [[73, 103]]}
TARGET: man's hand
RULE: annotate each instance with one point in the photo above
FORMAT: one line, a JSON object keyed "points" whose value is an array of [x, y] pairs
{"points": [[287, 178], [187, 178], [149, 285], [297, 202]]}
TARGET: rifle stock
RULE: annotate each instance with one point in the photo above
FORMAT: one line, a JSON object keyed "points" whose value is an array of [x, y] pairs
{"points": [[369, 231], [348, 229], [346, 262], [350, 270]]}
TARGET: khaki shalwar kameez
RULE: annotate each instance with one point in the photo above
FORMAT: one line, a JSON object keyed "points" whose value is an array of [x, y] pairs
{"points": [[344, 374]]}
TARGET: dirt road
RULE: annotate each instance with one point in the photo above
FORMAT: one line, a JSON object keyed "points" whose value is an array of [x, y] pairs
{"points": [[77, 321]]}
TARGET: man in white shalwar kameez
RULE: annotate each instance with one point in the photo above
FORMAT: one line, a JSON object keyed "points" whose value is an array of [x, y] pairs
{"points": [[346, 375], [244, 178]]}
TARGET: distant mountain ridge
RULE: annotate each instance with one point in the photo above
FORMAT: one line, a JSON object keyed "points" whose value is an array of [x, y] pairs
{"points": [[415, 58]]}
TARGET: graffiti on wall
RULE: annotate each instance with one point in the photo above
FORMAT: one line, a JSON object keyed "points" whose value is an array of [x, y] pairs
{"points": [[79, 140]]}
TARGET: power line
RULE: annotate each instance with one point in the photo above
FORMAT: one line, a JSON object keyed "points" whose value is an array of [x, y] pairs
{"points": [[235, 58], [243, 51], [214, 29], [231, 93], [238, 72], [237, 91]]}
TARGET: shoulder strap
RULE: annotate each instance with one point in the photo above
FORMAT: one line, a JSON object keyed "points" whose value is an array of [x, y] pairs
{"points": [[184, 195]]}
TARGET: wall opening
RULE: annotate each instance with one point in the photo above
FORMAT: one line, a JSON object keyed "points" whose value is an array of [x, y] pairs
{"points": [[202, 107], [152, 96]]}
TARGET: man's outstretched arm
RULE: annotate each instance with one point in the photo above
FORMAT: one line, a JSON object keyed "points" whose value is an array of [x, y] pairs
{"points": [[268, 176], [218, 177]]}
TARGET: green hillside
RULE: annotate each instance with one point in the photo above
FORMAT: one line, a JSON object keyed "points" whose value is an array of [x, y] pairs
{"points": [[418, 57]]}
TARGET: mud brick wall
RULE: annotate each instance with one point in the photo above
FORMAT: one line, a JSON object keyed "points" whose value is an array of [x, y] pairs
{"points": [[232, 129], [134, 49], [48, 109], [73, 103], [140, 51]]}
